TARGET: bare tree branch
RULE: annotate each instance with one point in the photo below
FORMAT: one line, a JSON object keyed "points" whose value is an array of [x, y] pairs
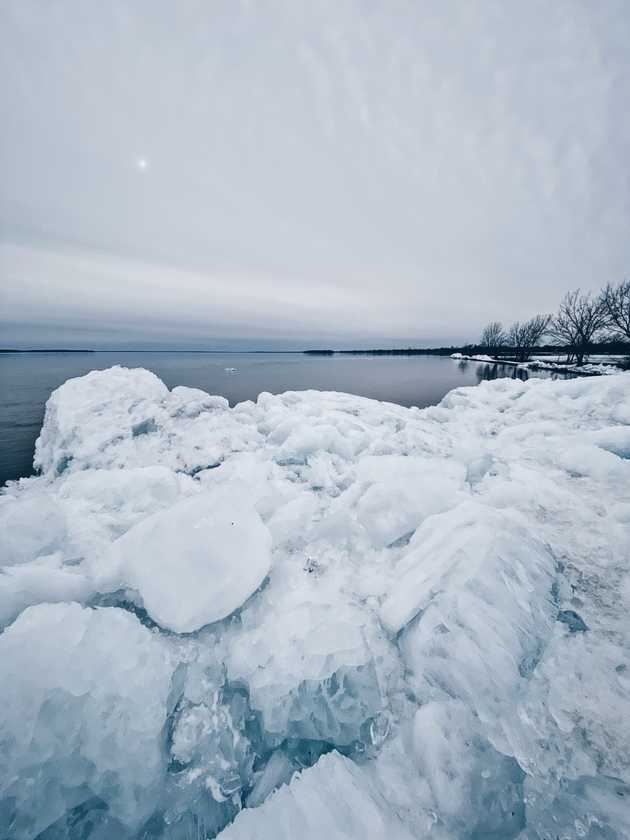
{"points": [[523, 336], [492, 336], [616, 300], [579, 319]]}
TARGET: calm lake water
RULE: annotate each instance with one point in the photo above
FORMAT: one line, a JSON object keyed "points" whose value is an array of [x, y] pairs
{"points": [[26, 380]]}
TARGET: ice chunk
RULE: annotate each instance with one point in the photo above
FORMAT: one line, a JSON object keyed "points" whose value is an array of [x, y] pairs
{"points": [[30, 526], [473, 547], [305, 440], [85, 416], [571, 719], [100, 505], [194, 563], [590, 807], [78, 687], [137, 491], [478, 791], [314, 671], [45, 580], [403, 492], [211, 761], [124, 418], [278, 771], [191, 402], [334, 799], [480, 585]]}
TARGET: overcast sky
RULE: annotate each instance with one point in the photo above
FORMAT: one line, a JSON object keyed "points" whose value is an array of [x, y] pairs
{"points": [[215, 173]]}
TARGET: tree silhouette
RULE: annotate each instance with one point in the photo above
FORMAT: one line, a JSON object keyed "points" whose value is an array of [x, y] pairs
{"points": [[523, 336], [579, 319]]}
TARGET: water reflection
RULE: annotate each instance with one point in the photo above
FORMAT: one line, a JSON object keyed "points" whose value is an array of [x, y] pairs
{"points": [[489, 371]]}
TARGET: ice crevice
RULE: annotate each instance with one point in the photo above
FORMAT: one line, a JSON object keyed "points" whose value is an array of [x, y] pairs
{"points": [[369, 622]]}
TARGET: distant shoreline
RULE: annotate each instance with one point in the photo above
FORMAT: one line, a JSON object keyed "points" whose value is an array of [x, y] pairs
{"points": [[50, 350], [612, 349]]}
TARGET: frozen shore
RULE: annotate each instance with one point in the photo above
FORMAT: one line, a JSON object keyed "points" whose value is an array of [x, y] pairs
{"points": [[597, 366], [319, 615]]}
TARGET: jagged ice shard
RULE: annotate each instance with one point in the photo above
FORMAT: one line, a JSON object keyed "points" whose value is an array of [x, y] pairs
{"points": [[317, 615]]}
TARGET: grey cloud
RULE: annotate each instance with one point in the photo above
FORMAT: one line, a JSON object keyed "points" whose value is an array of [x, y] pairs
{"points": [[353, 170]]}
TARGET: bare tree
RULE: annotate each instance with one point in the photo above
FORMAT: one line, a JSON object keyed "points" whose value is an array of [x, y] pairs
{"points": [[523, 336], [616, 300], [493, 337], [579, 319]]}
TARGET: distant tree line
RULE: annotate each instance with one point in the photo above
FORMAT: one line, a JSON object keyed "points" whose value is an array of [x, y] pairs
{"points": [[582, 319]]}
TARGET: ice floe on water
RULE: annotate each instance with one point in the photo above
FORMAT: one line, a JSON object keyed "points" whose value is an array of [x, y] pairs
{"points": [[318, 615]]}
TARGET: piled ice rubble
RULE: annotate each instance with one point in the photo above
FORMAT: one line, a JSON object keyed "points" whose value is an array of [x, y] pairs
{"points": [[318, 615], [84, 699]]}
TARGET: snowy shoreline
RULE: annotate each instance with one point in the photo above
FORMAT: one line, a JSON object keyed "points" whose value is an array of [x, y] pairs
{"points": [[409, 623], [600, 368]]}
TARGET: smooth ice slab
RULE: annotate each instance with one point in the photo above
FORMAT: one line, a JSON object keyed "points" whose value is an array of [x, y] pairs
{"points": [[194, 563], [333, 799]]}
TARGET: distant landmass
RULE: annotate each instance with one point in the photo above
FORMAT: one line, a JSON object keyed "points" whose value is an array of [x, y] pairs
{"points": [[408, 351], [45, 350], [608, 347]]}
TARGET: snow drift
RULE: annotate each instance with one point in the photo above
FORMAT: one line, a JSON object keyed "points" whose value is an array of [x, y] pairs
{"points": [[318, 615]]}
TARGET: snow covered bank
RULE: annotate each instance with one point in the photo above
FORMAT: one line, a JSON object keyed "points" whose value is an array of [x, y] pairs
{"points": [[598, 365], [405, 623]]}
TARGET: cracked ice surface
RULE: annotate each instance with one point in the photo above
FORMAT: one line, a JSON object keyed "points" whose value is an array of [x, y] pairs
{"points": [[318, 615]]}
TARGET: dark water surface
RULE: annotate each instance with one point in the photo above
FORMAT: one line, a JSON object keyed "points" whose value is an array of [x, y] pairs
{"points": [[26, 380]]}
